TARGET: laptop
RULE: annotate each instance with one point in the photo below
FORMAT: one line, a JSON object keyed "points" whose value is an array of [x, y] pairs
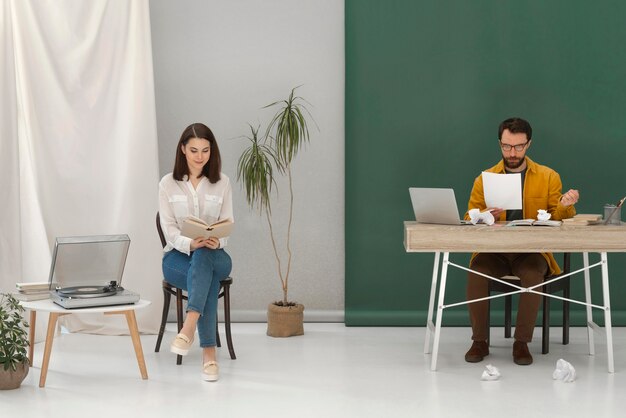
{"points": [[86, 271], [435, 206]]}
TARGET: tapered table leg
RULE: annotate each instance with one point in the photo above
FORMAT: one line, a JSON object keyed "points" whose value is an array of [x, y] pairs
{"points": [[52, 324], [134, 334], [31, 336]]}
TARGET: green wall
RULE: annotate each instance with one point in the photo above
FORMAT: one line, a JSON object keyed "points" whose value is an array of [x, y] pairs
{"points": [[427, 83]]}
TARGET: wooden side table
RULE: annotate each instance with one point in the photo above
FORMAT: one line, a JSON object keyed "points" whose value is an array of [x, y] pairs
{"points": [[56, 311]]}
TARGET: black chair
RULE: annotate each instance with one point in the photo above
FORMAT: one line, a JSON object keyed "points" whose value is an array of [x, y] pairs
{"points": [[562, 285], [169, 291]]}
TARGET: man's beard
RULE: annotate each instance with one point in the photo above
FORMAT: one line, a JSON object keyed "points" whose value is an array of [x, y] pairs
{"points": [[513, 163]]}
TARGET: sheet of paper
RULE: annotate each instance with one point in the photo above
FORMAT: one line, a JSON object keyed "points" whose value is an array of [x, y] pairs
{"points": [[502, 190]]}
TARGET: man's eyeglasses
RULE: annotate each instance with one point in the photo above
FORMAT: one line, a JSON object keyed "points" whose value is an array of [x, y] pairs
{"points": [[518, 147]]}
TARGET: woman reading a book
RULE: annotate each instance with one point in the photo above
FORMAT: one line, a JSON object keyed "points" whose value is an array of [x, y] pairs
{"points": [[196, 188]]}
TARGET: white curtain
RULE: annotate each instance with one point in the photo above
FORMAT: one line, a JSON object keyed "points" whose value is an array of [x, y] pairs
{"points": [[78, 144]]}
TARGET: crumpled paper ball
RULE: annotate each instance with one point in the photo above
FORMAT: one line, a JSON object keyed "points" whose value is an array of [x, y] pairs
{"points": [[543, 215], [564, 371], [477, 216], [490, 373]]}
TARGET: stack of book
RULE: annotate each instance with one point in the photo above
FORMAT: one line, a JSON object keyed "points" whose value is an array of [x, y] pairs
{"points": [[583, 219], [32, 291]]}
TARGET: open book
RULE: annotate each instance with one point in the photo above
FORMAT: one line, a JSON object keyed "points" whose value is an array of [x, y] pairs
{"points": [[194, 227], [533, 222]]}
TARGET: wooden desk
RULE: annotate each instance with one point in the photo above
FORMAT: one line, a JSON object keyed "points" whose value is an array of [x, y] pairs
{"points": [[56, 311], [448, 239]]}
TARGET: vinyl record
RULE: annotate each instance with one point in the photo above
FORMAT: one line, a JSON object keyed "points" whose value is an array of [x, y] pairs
{"points": [[87, 291]]}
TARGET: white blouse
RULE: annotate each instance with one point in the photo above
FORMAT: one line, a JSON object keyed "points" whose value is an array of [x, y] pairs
{"points": [[178, 199]]}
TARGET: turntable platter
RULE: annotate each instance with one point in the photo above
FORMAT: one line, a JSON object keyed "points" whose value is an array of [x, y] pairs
{"points": [[87, 291]]}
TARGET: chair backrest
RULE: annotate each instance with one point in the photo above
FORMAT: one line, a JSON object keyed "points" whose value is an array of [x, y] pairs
{"points": [[160, 231]]}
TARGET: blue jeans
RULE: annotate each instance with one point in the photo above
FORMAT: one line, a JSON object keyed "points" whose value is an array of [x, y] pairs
{"points": [[200, 275]]}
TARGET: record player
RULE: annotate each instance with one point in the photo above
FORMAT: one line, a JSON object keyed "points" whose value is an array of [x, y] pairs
{"points": [[87, 271]]}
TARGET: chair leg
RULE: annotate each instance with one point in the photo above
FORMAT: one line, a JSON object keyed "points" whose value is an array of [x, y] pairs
{"points": [[507, 316], [489, 322], [566, 295], [166, 307], [217, 333], [229, 338], [217, 322], [545, 326], [179, 319]]}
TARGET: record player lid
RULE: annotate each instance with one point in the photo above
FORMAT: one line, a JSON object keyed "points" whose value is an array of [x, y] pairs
{"points": [[94, 260]]}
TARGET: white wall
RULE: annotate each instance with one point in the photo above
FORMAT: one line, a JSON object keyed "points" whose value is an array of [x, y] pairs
{"points": [[220, 62]]}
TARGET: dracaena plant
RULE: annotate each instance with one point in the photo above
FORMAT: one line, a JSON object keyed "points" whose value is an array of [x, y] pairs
{"points": [[272, 154], [13, 338]]}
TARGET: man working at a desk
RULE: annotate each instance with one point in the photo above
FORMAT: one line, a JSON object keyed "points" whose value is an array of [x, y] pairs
{"points": [[541, 189]]}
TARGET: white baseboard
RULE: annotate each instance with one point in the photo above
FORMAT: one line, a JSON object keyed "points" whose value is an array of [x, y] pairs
{"points": [[260, 315], [310, 315]]}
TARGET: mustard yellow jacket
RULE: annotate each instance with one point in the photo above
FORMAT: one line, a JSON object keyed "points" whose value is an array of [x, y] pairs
{"points": [[542, 190]]}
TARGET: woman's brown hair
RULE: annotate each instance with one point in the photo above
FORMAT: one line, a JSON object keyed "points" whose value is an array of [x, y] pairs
{"points": [[212, 168]]}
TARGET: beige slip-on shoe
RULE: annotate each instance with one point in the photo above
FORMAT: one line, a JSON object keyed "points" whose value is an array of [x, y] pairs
{"points": [[210, 371], [181, 344]]}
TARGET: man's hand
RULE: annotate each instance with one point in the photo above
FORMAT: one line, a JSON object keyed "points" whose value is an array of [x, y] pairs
{"points": [[570, 198], [495, 212]]}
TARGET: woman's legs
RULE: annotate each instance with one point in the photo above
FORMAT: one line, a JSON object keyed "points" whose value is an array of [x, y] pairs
{"points": [[200, 274], [220, 264]]}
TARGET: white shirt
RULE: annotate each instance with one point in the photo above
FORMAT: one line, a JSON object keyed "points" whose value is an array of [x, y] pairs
{"points": [[178, 200]]}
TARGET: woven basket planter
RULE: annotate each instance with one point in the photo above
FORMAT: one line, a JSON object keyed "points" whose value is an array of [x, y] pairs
{"points": [[10, 379], [285, 321]]}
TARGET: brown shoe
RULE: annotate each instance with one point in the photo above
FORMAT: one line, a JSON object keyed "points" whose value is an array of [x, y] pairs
{"points": [[521, 355], [477, 352]]}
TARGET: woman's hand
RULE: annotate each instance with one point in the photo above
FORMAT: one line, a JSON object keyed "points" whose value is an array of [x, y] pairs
{"points": [[212, 243], [198, 243]]}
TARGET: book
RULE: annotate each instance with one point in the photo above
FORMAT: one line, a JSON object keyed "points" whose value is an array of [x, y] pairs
{"points": [[533, 222], [194, 227], [26, 297], [32, 292], [32, 287], [583, 219]]}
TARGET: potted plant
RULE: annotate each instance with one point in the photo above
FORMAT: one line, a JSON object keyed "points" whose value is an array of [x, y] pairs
{"points": [[273, 154], [13, 342]]}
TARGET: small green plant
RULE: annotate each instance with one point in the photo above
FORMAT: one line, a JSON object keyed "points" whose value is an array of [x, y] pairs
{"points": [[286, 134], [13, 338]]}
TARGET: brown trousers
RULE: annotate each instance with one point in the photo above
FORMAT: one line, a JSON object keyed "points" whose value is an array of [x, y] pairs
{"points": [[531, 268]]}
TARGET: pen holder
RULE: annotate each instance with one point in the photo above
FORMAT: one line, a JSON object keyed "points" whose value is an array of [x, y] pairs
{"points": [[614, 213]]}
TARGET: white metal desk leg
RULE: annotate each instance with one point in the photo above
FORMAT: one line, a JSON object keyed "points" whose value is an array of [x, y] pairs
{"points": [[589, 309], [442, 292], [431, 303], [607, 311]]}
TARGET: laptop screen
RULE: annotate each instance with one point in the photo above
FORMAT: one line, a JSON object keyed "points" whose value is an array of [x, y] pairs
{"points": [[435, 206], [88, 260]]}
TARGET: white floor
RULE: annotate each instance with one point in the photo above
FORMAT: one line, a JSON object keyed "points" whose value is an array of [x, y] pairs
{"points": [[331, 371]]}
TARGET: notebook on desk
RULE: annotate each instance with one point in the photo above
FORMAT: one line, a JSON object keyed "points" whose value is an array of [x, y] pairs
{"points": [[435, 206], [87, 271]]}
